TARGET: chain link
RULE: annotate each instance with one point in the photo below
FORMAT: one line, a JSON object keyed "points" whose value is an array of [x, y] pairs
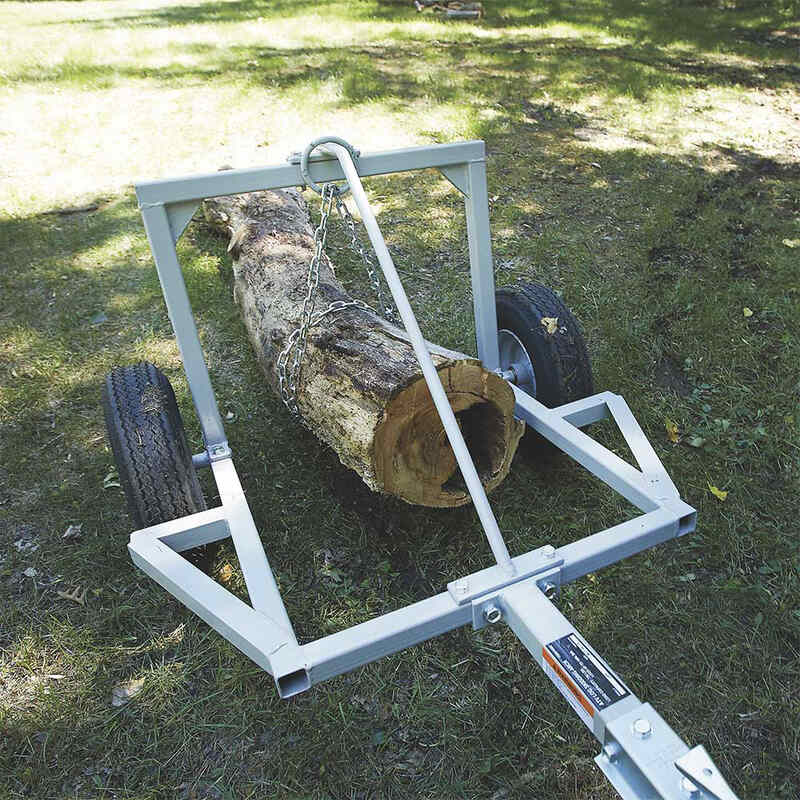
{"points": [[366, 258], [287, 376], [295, 348]]}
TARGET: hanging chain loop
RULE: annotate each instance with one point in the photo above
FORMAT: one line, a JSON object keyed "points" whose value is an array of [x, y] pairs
{"points": [[296, 344], [366, 259], [295, 349]]}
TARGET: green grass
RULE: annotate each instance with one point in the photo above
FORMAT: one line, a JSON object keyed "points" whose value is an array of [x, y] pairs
{"points": [[644, 159]]}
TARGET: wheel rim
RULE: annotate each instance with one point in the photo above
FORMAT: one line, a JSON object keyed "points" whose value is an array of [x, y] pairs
{"points": [[514, 356]]}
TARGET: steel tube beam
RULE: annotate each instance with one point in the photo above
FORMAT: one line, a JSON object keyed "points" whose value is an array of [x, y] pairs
{"points": [[625, 539], [481, 266], [324, 170], [640, 749], [599, 460], [261, 586], [156, 224], [340, 652], [371, 640], [642, 450], [460, 450]]}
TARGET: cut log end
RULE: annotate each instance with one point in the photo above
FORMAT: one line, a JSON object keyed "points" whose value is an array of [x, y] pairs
{"points": [[412, 457]]}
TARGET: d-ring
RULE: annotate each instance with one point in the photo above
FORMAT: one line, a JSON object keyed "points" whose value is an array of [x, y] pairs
{"points": [[310, 149]]}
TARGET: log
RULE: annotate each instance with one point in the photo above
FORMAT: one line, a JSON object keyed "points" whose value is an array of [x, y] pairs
{"points": [[360, 389]]}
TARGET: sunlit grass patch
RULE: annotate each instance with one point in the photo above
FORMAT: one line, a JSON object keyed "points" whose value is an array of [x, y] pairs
{"points": [[643, 161]]}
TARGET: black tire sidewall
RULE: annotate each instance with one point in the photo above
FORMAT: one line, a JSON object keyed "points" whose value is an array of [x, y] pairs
{"points": [[524, 320]]}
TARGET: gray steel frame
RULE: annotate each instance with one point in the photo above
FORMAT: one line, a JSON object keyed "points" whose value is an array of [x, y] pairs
{"points": [[642, 757]]}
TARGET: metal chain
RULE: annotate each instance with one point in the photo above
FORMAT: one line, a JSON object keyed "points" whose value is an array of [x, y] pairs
{"points": [[366, 258], [298, 339], [287, 377]]}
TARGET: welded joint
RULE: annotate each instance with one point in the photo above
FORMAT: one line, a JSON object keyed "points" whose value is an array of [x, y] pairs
{"points": [[322, 155], [685, 515], [289, 669], [218, 452]]}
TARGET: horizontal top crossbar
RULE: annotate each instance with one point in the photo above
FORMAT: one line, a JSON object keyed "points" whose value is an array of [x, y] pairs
{"points": [[237, 181]]}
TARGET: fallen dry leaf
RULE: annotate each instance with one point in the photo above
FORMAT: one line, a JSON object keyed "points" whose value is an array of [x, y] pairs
{"points": [[126, 691], [225, 573], [672, 430], [550, 324], [72, 532], [748, 312], [718, 493], [76, 595]]}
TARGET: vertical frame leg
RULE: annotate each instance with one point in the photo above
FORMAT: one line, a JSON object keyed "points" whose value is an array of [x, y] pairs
{"points": [[481, 265], [156, 223]]}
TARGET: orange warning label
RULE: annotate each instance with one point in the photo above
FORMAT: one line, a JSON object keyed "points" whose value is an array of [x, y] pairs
{"points": [[578, 695], [583, 678]]}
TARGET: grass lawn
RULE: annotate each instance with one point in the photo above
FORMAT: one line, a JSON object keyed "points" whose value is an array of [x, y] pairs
{"points": [[644, 160]]}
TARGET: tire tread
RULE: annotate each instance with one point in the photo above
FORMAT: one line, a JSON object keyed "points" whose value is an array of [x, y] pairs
{"points": [[149, 444]]}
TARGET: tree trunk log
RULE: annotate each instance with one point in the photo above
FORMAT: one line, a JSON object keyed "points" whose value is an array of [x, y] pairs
{"points": [[360, 389]]}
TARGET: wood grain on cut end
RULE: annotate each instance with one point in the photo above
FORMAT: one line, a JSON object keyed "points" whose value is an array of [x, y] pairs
{"points": [[412, 455]]}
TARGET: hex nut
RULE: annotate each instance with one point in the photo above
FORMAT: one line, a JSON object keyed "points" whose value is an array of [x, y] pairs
{"points": [[611, 751]]}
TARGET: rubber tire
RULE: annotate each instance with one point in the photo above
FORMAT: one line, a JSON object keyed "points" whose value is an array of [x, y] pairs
{"points": [[560, 360], [147, 437]]}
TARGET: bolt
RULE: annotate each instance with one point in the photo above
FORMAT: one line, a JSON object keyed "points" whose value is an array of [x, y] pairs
{"points": [[550, 590], [492, 614], [690, 788], [611, 751], [548, 551], [642, 728], [462, 586]]}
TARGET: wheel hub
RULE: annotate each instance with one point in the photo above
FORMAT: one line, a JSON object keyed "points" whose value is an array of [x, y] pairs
{"points": [[514, 358]]}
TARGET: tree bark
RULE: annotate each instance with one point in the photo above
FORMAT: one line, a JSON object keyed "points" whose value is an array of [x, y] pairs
{"points": [[360, 389]]}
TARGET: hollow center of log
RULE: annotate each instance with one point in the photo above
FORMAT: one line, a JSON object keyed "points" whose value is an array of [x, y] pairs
{"points": [[483, 428], [413, 457]]}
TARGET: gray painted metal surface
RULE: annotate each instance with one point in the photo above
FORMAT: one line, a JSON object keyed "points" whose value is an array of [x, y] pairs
{"points": [[641, 756]]}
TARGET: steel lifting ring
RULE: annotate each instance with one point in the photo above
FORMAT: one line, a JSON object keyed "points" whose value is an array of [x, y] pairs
{"points": [[345, 188]]}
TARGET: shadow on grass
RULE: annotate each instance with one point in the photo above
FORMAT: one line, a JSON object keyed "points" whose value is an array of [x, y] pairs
{"points": [[741, 26], [478, 71], [644, 247]]}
